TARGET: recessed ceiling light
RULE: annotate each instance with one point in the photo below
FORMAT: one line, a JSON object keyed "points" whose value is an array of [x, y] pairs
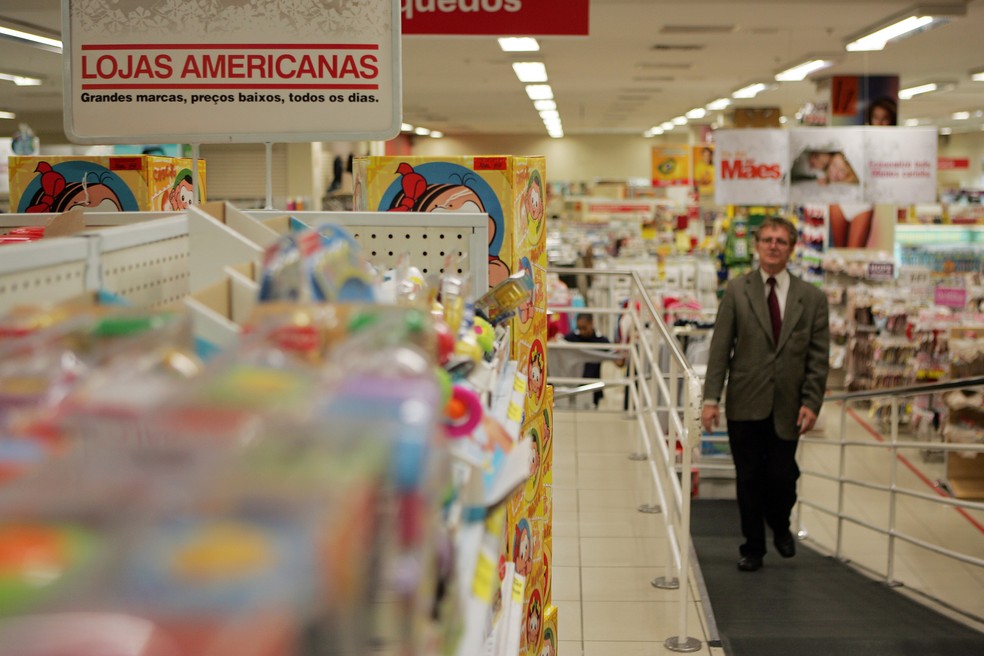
{"points": [[911, 122], [20, 80], [960, 116], [801, 71], [33, 39], [540, 105], [549, 114], [530, 71], [946, 131], [519, 44], [422, 131], [679, 120], [878, 39], [437, 134], [696, 112], [719, 104], [907, 94], [977, 76], [539, 92], [8, 115], [406, 127], [668, 125], [750, 91]]}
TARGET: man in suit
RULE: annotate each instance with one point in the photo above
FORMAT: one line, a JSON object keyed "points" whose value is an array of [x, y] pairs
{"points": [[771, 339]]}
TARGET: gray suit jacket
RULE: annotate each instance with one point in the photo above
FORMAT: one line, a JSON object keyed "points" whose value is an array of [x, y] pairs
{"points": [[764, 378]]}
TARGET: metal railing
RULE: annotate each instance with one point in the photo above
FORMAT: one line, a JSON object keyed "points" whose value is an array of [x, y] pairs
{"points": [[933, 532], [664, 397]]}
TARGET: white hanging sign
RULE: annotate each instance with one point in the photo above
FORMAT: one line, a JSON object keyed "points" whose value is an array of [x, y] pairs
{"points": [[161, 71]]}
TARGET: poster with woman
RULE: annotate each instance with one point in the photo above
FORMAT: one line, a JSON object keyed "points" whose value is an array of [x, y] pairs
{"points": [[827, 166]]}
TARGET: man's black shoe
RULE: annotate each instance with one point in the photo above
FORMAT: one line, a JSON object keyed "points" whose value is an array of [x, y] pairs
{"points": [[749, 564], [786, 545]]}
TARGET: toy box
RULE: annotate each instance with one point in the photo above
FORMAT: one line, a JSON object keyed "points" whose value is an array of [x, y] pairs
{"points": [[111, 183]]}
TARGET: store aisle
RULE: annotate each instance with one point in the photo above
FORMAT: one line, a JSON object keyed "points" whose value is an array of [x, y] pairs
{"points": [[606, 553]]}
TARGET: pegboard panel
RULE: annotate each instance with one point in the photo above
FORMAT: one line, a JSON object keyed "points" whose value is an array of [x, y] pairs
{"points": [[428, 248], [41, 285], [45, 271], [428, 238], [149, 275]]}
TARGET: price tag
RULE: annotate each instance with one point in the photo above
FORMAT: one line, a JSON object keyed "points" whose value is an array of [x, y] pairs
{"points": [[485, 576]]}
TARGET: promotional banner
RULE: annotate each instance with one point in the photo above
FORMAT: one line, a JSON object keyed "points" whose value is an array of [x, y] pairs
{"points": [[864, 99], [872, 165], [901, 165], [496, 17], [826, 166], [671, 166], [703, 158], [751, 166], [231, 70]]}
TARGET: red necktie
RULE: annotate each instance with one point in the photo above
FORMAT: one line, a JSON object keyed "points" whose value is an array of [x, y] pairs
{"points": [[774, 312]]}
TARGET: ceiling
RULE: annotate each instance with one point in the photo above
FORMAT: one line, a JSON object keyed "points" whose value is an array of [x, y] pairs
{"points": [[645, 62]]}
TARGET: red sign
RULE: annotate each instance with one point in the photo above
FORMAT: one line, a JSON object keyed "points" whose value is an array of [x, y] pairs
{"points": [[496, 17], [951, 297], [951, 163]]}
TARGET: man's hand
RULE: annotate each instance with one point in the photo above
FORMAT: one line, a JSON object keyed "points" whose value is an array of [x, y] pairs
{"points": [[709, 417], [807, 420]]}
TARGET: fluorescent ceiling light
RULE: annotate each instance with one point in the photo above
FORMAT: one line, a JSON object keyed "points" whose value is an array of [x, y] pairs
{"points": [[668, 125], [656, 129], [679, 120], [977, 76], [437, 134], [878, 39], [552, 123], [946, 131], [549, 114], [519, 44], [539, 92], [907, 94], [422, 132], [8, 115], [540, 105], [556, 134], [911, 122], [783, 120], [406, 127], [696, 112], [32, 39], [798, 73], [530, 71], [750, 91], [20, 80], [719, 104], [960, 116]]}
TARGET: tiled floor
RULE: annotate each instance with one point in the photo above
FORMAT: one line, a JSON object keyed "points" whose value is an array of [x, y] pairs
{"points": [[607, 553]]}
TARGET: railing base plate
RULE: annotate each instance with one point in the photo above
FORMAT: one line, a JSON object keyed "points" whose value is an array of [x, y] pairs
{"points": [[686, 645], [663, 583], [650, 509]]}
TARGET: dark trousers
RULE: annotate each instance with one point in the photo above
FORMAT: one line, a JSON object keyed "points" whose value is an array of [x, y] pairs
{"points": [[766, 471]]}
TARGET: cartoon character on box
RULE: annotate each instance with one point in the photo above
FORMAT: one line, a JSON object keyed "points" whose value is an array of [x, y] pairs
{"points": [[65, 185], [534, 207], [549, 643], [526, 309], [523, 548], [534, 615], [537, 372], [181, 194], [447, 187], [533, 482]]}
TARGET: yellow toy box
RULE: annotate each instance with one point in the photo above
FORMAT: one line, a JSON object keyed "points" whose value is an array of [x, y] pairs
{"points": [[111, 183]]}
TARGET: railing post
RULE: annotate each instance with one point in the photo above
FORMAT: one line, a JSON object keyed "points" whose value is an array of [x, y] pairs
{"points": [[838, 552], [681, 642], [892, 497]]}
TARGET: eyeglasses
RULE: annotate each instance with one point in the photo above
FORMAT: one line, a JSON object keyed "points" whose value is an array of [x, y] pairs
{"points": [[768, 241]]}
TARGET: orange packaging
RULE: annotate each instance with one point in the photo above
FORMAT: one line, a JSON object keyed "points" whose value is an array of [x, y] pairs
{"points": [[110, 183]]}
